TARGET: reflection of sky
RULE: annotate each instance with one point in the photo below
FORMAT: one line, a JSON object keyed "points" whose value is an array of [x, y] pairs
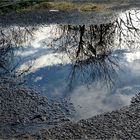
{"points": [[51, 69], [98, 100], [40, 50]]}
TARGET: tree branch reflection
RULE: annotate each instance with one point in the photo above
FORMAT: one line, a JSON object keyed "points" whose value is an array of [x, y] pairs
{"points": [[91, 48], [10, 39]]}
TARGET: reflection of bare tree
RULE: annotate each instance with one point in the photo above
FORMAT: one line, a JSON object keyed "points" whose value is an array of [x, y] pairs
{"points": [[128, 29], [91, 48], [11, 38]]}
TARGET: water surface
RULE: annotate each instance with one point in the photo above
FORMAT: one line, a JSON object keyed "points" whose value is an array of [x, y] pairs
{"points": [[96, 66]]}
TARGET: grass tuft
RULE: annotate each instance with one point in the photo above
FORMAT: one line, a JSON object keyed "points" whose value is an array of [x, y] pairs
{"points": [[92, 7]]}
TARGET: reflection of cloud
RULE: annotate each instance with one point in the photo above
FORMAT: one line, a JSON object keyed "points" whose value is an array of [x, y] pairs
{"points": [[130, 57], [39, 50], [89, 102], [50, 80], [44, 34], [25, 53], [38, 78], [49, 60], [135, 68]]}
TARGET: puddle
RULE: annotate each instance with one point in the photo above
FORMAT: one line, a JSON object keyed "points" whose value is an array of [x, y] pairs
{"points": [[96, 66]]}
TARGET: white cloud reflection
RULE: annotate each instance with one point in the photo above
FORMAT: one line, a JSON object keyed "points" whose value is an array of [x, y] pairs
{"points": [[39, 50], [97, 100]]}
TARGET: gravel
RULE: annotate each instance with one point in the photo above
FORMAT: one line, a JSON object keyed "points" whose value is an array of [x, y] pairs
{"points": [[22, 108], [122, 124]]}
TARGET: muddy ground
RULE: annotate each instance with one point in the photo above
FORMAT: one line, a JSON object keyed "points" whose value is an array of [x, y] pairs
{"points": [[34, 18]]}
